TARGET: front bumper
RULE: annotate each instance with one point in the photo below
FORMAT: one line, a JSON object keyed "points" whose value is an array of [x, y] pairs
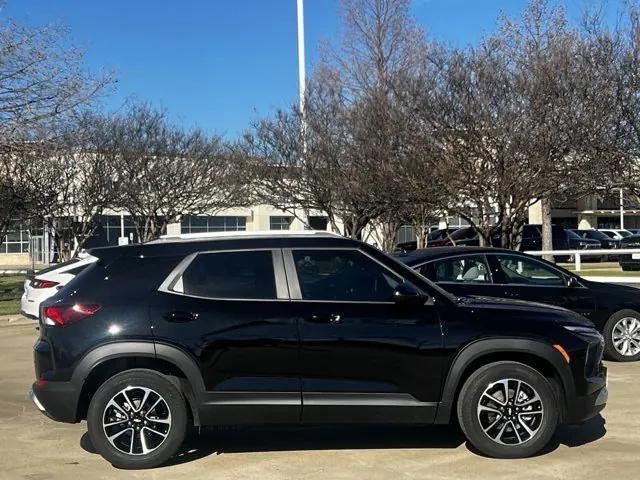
{"points": [[57, 400], [583, 407]]}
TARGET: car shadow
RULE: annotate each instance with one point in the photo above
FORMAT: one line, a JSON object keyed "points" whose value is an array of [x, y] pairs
{"points": [[223, 440]]}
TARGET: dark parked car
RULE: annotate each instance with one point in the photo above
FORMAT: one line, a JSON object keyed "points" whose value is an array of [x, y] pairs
{"points": [[606, 241], [614, 309], [562, 239], [434, 236], [301, 328], [630, 261]]}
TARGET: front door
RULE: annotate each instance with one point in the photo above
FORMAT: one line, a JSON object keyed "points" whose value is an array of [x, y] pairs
{"points": [[526, 278], [229, 311], [363, 357]]}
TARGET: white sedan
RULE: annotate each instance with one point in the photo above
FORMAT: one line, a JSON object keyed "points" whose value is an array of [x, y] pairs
{"points": [[48, 281]]}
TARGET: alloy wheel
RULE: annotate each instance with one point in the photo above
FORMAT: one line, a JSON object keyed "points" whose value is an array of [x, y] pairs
{"points": [[510, 412], [626, 336], [136, 420]]}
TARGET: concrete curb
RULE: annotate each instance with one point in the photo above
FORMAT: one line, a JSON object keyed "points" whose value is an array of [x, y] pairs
{"points": [[16, 321]]}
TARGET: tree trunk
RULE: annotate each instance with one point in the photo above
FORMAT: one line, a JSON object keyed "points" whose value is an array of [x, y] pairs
{"points": [[547, 239]]}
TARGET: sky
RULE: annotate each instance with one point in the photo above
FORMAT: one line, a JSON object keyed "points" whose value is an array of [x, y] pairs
{"points": [[221, 64]]}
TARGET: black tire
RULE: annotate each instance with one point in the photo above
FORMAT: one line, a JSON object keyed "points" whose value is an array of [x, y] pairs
{"points": [[174, 404], [610, 351], [469, 417]]}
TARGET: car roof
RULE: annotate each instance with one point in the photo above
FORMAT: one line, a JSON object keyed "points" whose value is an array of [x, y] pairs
{"points": [[427, 254], [179, 245]]}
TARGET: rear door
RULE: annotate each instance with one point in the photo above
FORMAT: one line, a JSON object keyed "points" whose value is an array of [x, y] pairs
{"points": [[229, 310], [525, 278]]}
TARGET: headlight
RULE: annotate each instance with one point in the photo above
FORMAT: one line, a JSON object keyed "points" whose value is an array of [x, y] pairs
{"points": [[588, 333]]}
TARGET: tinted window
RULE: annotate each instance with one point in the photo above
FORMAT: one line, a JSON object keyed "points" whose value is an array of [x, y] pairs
{"points": [[526, 271], [463, 234], [573, 235], [58, 265], [346, 275], [77, 270], [623, 233], [608, 233], [231, 275], [467, 269]]}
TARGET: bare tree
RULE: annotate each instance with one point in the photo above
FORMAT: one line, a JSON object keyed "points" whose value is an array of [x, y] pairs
{"points": [[163, 171], [42, 85], [344, 155]]}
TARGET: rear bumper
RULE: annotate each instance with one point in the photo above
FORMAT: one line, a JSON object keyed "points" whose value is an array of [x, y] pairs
{"points": [[57, 400], [584, 407]]}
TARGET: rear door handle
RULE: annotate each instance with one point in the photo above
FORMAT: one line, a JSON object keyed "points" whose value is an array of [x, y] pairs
{"points": [[180, 317], [324, 318]]}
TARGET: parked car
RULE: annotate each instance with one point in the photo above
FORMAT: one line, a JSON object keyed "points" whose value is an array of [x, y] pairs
{"points": [[614, 309], [634, 231], [606, 241], [435, 235], [615, 233], [630, 261], [46, 283], [303, 328], [461, 237], [562, 239]]}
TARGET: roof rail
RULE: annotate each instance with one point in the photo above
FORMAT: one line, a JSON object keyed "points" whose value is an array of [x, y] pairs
{"points": [[243, 234]]}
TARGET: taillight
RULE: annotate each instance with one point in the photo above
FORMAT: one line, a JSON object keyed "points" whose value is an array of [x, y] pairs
{"points": [[40, 283], [66, 314]]}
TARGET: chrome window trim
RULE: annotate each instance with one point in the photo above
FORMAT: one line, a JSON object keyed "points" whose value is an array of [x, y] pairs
{"points": [[294, 284], [487, 254], [174, 279]]}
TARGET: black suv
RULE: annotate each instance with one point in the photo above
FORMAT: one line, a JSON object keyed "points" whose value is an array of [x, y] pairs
{"points": [[301, 328]]}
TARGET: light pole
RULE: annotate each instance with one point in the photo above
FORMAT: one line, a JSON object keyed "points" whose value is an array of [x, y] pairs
{"points": [[301, 61]]}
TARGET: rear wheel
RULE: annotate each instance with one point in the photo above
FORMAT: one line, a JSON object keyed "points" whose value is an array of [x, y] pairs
{"points": [[508, 410], [137, 419], [622, 336]]}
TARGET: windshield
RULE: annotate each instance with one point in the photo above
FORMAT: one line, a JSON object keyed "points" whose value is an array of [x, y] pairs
{"points": [[595, 234], [463, 233], [573, 235], [624, 233]]}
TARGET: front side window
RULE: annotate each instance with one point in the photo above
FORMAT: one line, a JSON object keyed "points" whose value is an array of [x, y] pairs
{"points": [[233, 275], [526, 271], [467, 269], [343, 275]]}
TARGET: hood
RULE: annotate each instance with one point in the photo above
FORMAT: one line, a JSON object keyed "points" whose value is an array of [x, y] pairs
{"points": [[541, 311]]}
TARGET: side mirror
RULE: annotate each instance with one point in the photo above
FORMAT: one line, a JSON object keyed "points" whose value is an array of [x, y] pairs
{"points": [[406, 294], [572, 282]]}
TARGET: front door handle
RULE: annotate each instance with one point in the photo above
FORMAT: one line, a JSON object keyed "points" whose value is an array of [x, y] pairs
{"points": [[180, 317], [324, 318]]}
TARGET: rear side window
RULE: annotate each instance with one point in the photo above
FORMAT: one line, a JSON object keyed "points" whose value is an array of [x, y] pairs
{"points": [[77, 270], [467, 269], [233, 275]]}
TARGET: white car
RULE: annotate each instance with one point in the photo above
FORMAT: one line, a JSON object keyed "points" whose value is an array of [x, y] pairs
{"points": [[48, 281], [615, 233]]}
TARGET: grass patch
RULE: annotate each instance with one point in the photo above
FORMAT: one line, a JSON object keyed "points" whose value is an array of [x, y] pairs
{"points": [[10, 307], [607, 273], [11, 288]]}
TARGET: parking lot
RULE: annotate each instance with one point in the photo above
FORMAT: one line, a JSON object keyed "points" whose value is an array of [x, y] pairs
{"points": [[34, 447]]}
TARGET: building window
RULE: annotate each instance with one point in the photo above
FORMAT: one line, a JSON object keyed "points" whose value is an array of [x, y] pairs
{"points": [[280, 223], [203, 223], [16, 240], [112, 230], [317, 223], [405, 234]]}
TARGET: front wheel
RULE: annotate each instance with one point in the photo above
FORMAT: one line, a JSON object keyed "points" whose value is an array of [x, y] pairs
{"points": [[508, 410], [137, 419], [622, 336]]}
